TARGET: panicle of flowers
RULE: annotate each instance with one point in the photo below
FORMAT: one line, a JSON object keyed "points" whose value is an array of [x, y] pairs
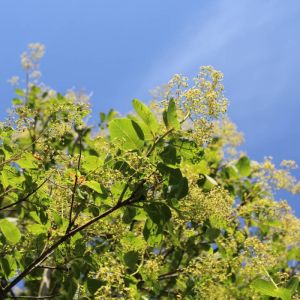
{"points": [[271, 177], [228, 136], [215, 205], [256, 257], [30, 59], [78, 96], [202, 100], [206, 97], [111, 273], [152, 267], [209, 273]]}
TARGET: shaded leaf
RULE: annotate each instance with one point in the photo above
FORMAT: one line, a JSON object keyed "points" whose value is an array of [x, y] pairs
{"points": [[131, 259]]}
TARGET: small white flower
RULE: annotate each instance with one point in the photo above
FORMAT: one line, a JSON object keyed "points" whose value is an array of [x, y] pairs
{"points": [[26, 62], [14, 80], [37, 51], [35, 74]]}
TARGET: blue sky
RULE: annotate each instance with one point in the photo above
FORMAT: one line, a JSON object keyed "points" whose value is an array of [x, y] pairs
{"points": [[120, 50]]}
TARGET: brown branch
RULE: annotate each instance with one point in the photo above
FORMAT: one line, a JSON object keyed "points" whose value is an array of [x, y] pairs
{"points": [[171, 274], [26, 197]]}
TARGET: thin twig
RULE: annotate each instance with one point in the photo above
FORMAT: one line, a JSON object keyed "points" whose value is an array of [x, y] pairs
{"points": [[6, 192], [33, 297], [72, 221], [60, 268], [26, 197]]}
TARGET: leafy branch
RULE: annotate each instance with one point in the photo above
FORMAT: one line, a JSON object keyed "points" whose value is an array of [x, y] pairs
{"points": [[47, 252]]}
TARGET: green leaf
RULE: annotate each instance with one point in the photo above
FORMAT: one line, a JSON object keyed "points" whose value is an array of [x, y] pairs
{"points": [[17, 101], [264, 287], [4, 179], [178, 185], [243, 165], [152, 233], [284, 294], [132, 240], [292, 284], [27, 161], [146, 115], [129, 214], [206, 183], [128, 132], [94, 185], [111, 115], [93, 285], [165, 118], [187, 149], [20, 92], [37, 229], [232, 172], [212, 233], [131, 259], [179, 189], [91, 162], [10, 231], [172, 116], [169, 155], [294, 253], [269, 289], [148, 136], [8, 265], [159, 213]]}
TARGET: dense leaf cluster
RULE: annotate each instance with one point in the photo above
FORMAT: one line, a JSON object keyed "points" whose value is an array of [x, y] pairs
{"points": [[148, 207]]}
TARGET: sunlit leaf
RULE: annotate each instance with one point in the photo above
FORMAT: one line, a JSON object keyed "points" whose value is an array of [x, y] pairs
{"points": [[10, 231], [146, 115], [127, 133]]}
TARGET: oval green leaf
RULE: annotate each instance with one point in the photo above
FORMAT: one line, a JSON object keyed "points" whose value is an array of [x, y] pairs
{"points": [[10, 231], [172, 115], [243, 165]]}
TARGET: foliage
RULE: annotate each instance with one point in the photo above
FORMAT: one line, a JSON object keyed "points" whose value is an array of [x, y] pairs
{"points": [[158, 204]]}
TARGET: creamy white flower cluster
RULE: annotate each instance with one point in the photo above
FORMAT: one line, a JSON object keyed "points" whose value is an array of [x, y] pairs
{"points": [[30, 59]]}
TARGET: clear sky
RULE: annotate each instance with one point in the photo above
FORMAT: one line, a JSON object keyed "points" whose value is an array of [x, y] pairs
{"points": [[119, 50]]}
